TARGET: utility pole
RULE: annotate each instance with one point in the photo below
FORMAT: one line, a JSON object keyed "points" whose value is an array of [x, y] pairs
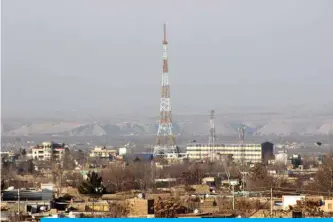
{"points": [[331, 188], [271, 202], [93, 212], [152, 173], [18, 202], [233, 197]]}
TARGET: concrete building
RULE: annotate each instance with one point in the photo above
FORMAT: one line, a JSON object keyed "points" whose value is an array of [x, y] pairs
{"points": [[281, 158], [290, 201], [328, 206], [48, 150], [9, 157], [102, 152], [252, 153], [122, 151]]}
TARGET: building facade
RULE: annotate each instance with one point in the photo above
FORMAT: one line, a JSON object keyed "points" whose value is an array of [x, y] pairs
{"points": [[102, 152], [251, 153], [48, 151], [9, 157], [281, 158]]}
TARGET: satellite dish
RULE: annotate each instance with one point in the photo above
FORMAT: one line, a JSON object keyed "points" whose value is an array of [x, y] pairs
{"points": [[140, 195], [319, 143], [196, 211]]}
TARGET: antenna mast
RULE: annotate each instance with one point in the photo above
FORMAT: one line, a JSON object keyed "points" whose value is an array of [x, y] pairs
{"points": [[330, 141], [241, 135], [165, 140], [212, 135]]}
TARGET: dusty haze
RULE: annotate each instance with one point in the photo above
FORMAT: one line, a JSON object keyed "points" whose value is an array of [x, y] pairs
{"points": [[102, 58]]}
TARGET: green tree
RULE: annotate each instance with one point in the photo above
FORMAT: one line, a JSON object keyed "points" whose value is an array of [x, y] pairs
{"points": [[93, 184]]}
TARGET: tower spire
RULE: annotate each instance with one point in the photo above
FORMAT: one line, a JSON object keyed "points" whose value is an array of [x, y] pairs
{"points": [[241, 134], [165, 140], [165, 42]]}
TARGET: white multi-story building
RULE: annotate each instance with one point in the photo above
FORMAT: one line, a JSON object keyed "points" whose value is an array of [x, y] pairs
{"points": [[48, 150], [281, 158], [102, 152], [254, 153]]}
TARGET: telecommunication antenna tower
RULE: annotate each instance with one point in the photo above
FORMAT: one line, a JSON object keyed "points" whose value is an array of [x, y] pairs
{"points": [[165, 141], [212, 135], [330, 141], [241, 136]]}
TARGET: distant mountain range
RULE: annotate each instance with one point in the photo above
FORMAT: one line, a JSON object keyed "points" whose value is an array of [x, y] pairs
{"points": [[269, 124]]}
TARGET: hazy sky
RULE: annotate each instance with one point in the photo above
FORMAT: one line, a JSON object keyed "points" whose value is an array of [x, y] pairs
{"points": [[104, 57]]}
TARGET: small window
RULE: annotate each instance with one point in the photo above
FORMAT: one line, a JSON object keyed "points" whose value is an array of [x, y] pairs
{"points": [[329, 206]]}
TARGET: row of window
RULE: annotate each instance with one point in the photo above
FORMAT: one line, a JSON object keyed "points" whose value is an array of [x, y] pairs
{"points": [[225, 145], [223, 150], [234, 156]]}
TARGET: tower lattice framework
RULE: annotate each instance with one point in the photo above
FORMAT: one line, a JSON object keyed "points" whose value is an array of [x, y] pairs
{"points": [[212, 134], [165, 141]]}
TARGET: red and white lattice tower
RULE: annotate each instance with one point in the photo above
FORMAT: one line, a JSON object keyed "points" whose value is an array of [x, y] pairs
{"points": [[165, 141]]}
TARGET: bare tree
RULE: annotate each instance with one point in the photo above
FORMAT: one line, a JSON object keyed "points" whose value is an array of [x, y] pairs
{"points": [[73, 179], [57, 174], [68, 160], [168, 208], [324, 176], [118, 210], [309, 208], [259, 177], [137, 175]]}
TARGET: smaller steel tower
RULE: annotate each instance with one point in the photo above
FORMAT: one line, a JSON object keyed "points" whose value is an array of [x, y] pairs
{"points": [[241, 135], [212, 135]]}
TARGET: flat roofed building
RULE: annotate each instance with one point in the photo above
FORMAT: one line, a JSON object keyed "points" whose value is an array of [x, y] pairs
{"points": [[254, 153], [102, 152], [48, 150], [9, 157]]}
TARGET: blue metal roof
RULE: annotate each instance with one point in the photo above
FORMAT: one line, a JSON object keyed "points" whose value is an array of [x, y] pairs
{"points": [[141, 156]]}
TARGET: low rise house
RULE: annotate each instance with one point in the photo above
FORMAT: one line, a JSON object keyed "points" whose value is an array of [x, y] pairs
{"points": [[290, 201], [328, 206], [9, 157]]}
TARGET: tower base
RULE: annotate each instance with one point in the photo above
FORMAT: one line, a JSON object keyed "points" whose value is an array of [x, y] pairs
{"points": [[166, 151]]}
